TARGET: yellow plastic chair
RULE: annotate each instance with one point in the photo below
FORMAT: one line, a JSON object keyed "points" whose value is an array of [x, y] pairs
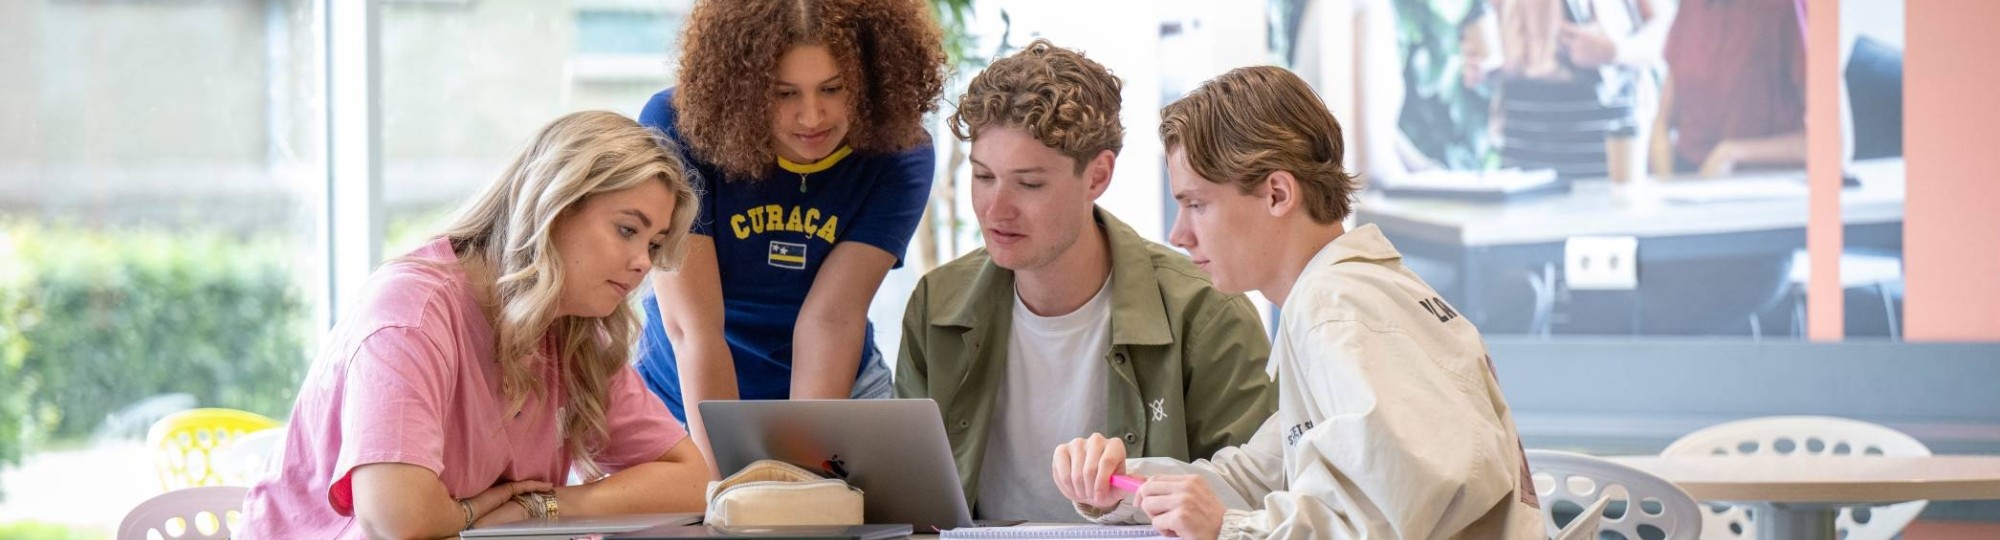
{"points": [[183, 443]]}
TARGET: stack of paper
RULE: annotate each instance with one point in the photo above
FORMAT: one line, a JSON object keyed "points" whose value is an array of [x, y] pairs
{"points": [[1054, 532]]}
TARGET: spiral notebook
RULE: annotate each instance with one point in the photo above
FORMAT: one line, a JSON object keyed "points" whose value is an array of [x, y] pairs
{"points": [[1053, 532]]}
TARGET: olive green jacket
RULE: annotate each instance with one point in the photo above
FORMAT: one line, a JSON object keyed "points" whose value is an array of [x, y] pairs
{"points": [[1186, 360]]}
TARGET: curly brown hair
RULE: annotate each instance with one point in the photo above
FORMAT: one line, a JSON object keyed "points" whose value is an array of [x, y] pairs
{"points": [[1240, 127], [892, 50], [1066, 101]]}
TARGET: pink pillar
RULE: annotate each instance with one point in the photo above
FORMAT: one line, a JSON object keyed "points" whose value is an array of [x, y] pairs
{"points": [[1824, 303], [1951, 224]]}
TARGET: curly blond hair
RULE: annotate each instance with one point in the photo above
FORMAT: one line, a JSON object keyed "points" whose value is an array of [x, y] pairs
{"points": [[892, 50], [1240, 127], [1066, 101]]}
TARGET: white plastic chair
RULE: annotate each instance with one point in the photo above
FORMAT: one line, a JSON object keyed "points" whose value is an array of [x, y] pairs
{"points": [[1803, 436], [250, 457], [207, 512], [1585, 526], [1652, 507]]}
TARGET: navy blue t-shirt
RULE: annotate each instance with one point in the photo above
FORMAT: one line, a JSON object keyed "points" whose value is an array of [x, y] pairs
{"points": [[771, 236]]}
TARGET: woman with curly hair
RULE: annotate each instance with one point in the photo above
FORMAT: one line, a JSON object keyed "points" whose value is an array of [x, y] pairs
{"points": [[483, 368], [804, 122]]}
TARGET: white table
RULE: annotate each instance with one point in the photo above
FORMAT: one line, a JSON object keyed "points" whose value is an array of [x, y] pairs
{"points": [[1678, 220], [1799, 497], [1756, 201]]}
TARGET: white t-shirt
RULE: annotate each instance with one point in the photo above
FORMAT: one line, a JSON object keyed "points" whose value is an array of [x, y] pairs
{"points": [[1053, 391]]}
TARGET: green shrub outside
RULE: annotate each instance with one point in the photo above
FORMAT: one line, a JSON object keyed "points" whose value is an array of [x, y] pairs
{"points": [[41, 530], [20, 420], [91, 321]]}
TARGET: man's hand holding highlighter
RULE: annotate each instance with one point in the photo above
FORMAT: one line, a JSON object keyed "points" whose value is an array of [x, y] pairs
{"points": [[1091, 472]]}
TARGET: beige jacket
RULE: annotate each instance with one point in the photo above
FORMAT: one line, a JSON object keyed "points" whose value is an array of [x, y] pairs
{"points": [[1390, 423]]}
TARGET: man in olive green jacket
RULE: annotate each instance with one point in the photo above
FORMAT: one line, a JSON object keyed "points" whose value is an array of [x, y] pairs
{"points": [[1068, 322]]}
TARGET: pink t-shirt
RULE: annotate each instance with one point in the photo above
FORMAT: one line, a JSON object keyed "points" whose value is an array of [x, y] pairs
{"points": [[410, 378]]}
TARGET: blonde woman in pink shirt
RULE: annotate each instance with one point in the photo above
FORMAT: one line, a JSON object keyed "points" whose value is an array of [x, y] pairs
{"points": [[481, 369]]}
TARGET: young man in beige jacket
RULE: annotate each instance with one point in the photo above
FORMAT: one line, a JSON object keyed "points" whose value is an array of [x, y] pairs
{"points": [[1390, 423], [1068, 322]]}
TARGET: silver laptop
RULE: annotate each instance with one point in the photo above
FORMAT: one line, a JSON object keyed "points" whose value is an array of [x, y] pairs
{"points": [[789, 532], [893, 449], [566, 527]]}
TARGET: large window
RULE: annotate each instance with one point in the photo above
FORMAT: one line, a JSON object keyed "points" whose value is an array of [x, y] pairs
{"points": [[464, 84], [160, 193], [1654, 185], [166, 200]]}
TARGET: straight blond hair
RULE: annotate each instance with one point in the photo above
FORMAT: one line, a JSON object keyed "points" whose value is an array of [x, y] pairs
{"points": [[1240, 127]]}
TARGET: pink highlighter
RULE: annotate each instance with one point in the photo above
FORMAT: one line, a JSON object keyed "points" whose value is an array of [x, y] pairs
{"points": [[1128, 483]]}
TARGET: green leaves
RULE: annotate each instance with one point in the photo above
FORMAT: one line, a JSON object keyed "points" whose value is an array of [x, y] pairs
{"points": [[1440, 115], [91, 321], [953, 17]]}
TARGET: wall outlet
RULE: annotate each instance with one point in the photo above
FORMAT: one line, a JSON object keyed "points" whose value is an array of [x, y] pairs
{"points": [[1601, 263]]}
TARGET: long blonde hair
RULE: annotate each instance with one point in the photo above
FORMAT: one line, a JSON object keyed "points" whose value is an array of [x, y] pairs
{"points": [[508, 228]]}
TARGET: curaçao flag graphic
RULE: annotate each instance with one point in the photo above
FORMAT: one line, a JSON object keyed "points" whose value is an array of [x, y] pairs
{"points": [[788, 255]]}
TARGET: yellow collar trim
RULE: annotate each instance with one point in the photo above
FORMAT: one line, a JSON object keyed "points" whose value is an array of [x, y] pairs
{"points": [[817, 166]]}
